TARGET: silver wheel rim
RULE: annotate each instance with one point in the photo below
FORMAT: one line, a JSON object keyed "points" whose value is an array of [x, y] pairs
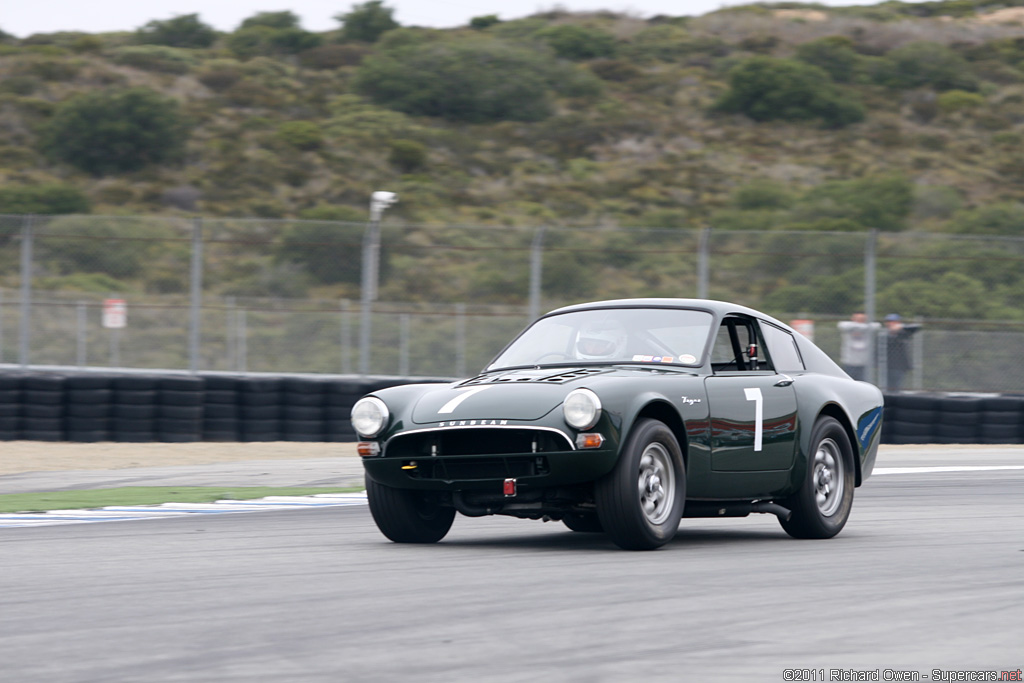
{"points": [[828, 477], [656, 483]]}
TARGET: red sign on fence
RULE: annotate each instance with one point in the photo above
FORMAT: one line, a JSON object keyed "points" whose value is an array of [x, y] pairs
{"points": [[115, 313]]}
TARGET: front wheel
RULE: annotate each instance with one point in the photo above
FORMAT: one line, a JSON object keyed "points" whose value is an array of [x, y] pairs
{"points": [[407, 516], [823, 503], [640, 502]]}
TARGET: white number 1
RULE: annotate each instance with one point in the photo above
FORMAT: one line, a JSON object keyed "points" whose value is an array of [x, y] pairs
{"points": [[755, 396]]}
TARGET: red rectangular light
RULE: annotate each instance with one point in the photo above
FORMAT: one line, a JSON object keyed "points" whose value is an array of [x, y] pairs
{"points": [[510, 488]]}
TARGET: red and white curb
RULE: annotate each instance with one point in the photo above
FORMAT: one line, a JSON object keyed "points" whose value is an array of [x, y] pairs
{"points": [[122, 513]]}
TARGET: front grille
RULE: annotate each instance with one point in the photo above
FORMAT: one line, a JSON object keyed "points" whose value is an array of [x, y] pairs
{"points": [[465, 469], [475, 441]]}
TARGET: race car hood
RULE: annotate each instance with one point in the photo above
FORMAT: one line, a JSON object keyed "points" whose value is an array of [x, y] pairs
{"points": [[527, 394], [522, 394]]}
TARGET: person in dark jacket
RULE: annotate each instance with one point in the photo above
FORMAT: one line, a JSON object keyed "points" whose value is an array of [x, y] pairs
{"points": [[899, 357]]}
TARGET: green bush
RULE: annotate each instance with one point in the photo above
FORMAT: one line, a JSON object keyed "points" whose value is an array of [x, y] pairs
{"points": [[485, 21], [158, 58], [367, 22], [834, 54], [52, 198], [114, 132], [762, 194], [269, 33], [767, 88], [958, 100], [273, 20], [1002, 218], [219, 75], [182, 31], [572, 41], [924, 63], [878, 201], [333, 56], [474, 80], [408, 155], [304, 135]]}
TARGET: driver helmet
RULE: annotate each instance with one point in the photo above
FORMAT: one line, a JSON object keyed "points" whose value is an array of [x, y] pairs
{"points": [[600, 340]]}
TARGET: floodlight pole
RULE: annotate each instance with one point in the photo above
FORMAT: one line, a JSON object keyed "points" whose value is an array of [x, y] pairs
{"points": [[379, 201]]}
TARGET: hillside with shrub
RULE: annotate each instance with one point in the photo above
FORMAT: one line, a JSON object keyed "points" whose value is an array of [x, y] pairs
{"points": [[787, 116]]}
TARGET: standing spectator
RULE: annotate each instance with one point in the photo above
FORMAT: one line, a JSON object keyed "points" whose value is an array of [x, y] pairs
{"points": [[856, 335], [898, 353]]}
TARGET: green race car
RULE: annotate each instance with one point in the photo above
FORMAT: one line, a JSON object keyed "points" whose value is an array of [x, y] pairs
{"points": [[623, 417]]}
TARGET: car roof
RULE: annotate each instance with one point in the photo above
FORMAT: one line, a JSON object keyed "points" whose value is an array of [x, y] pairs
{"points": [[720, 308]]}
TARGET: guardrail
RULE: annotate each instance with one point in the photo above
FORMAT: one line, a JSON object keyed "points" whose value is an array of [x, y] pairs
{"points": [[135, 407]]}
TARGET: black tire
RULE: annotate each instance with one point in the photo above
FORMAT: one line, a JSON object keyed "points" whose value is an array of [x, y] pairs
{"points": [[407, 516], [583, 522], [829, 467], [135, 397], [652, 458], [142, 411], [174, 397]]}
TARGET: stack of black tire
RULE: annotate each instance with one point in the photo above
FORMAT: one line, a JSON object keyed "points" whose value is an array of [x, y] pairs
{"points": [[134, 408], [302, 409], [341, 396], [42, 408], [10, 407], [220, 408], [957, 420], [88, 403], [910, 418], [259, 402], [1001, 419], [180, 409]]}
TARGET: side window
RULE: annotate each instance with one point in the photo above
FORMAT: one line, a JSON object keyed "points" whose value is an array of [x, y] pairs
{"points": [[782, 349], [739, 347]]}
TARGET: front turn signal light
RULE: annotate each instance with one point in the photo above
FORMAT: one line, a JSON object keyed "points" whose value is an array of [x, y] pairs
{"points": [[368, 448], [589, 441]]}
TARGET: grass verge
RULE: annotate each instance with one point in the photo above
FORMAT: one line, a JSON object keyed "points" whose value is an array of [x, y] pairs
{"points": [[149, 495]]}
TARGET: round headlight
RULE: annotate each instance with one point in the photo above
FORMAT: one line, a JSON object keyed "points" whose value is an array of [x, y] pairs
{"points": [[369, 416], [581, 408]]}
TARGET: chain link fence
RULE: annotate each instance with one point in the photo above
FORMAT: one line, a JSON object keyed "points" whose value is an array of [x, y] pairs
{"points": [[291, 297]]}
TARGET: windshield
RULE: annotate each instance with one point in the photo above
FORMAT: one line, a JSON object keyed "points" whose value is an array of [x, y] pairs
{"points": [[611, 335]]}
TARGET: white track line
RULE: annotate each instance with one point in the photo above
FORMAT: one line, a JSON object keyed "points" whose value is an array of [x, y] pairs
{"points": [[133, 512], [129, 512], [945, 468]]}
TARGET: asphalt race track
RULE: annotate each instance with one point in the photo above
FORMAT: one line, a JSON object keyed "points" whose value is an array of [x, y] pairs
{"points": [[928, 574]]}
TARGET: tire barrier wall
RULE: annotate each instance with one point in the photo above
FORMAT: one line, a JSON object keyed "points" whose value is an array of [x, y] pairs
{"points": [[185, 408], [182, 408]]}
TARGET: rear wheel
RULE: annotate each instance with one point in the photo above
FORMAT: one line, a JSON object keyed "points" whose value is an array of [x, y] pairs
{"points": [[823, 503], [640, 502], [407, 516]]}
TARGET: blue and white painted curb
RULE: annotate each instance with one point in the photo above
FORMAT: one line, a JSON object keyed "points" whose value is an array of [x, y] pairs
{"points": [[123, 513], [116, 513]]}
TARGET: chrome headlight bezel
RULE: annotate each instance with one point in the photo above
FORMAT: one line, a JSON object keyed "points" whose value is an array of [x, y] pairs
{"points": [[581, 409], [369, 416]]}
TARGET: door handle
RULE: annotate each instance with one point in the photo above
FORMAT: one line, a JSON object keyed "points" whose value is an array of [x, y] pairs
{"points": [[785, 381]]}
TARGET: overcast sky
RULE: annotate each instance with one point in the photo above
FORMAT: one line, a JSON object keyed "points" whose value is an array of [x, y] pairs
{"points": [[25, 17]]}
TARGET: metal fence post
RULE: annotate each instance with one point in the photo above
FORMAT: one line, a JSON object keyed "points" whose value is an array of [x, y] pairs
{"points": [[346, 337], [81, 333], [536, 270], [229, 335], [371, 247], [196, 287], [25, 325], [870, 310], [403, 345], [1, 326], [703, 263], [243, 342], [460, 340]]}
